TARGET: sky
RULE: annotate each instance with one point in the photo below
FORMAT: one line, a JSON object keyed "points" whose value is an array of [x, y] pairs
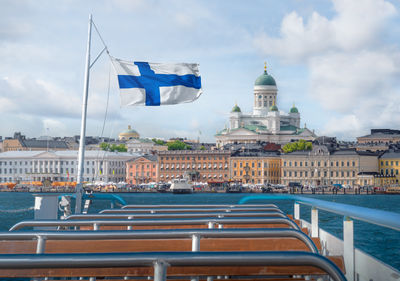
{"points": [[338, 61]]}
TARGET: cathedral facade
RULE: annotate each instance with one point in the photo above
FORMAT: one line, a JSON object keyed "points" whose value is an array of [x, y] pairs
{"points": [[266, 123]]}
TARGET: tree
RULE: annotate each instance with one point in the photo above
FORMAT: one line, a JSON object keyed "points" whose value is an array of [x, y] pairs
{"points": [[178, 145], [159, 142], [105, 146], [298, 145], [202, 147], [113, 147]]}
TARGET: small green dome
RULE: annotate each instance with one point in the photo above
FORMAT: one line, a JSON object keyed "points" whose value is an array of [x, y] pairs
{"points": [[265, 80], [236, 108], [294, 110], [273, 108]]}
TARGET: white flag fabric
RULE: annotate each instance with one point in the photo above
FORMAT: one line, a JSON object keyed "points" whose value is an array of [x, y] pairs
{"points": [[154, 84]]}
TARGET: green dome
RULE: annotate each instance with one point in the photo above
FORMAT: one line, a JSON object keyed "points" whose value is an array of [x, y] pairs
{"points": [[265, 80], [273, 108], [294, 110], [236, 108]]}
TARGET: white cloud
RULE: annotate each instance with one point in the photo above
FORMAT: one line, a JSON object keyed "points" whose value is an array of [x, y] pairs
{"points": [[353, 72]]}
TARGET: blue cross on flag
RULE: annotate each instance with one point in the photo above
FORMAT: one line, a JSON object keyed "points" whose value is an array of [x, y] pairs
{"points": [[154, 84]]}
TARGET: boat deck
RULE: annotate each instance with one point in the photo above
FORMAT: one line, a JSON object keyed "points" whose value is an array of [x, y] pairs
{"points": [[248, 242]]}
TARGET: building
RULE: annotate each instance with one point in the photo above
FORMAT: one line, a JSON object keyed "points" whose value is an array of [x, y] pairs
{"points": [[144, 146], [21, 143], [142, 169], [326, 165], [210, 166], [16, 166], [251, 167], [378, 140], [128, 134], [266, 123], [389, 168]]}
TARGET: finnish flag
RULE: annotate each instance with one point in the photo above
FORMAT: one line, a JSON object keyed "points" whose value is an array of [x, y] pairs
{"points": [[154, 84]]}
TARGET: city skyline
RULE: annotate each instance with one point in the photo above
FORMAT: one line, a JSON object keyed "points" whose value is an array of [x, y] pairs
{"points": [[338, 61]]}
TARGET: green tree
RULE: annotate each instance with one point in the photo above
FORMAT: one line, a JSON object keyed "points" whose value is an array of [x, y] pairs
{"points": [[159, 142], [113, 147], [178, 145], [202, 147], [105, 146], [298, 145]]}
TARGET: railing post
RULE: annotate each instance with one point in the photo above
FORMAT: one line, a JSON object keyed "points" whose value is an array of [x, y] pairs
{"points": [[96, 226], [296, 211], [314, 222], [41, 244], [348, 247], [130, 226], [160, 271], [195, 243]]}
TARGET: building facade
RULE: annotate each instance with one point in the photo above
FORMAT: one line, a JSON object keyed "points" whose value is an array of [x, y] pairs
{"points": [[389, 168], [17, 166], [199, 165], [21, 143], [378, 140], [144, 146], [324, 167], [142, 169], [266, 123], [255, 167]]}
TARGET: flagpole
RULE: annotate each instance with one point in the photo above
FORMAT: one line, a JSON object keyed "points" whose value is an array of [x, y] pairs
{"points": [[81, 153]]}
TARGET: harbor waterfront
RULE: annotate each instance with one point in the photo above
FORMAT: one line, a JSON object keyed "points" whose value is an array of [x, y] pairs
{"points": [[380, 242]]}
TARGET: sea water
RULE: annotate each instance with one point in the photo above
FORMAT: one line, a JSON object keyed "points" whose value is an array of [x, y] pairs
{"points": [[380, 242]]}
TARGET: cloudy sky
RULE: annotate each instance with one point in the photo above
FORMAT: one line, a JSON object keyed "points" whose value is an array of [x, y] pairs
{"points": [[337, 60]]}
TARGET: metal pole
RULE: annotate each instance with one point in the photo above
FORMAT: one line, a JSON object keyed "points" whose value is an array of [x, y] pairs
{"points": [[160, 271], [81, 153], [296, 211], [348, 247], [41, 244], [314, 222]]}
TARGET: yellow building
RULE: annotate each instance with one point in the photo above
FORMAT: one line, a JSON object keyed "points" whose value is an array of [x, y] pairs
{"points": [[255, 168], [389, 168], [128, 134]]}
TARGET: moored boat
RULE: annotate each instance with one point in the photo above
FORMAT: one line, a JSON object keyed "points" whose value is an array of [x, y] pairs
{"points": [[181, 186]]}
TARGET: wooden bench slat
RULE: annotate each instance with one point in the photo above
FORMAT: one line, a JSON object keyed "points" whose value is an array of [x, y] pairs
{"points": [[174, 271]]}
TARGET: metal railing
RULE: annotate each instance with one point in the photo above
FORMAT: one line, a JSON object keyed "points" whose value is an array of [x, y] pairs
{"points": [[189, 210], [176, 215], [164, 206], [195, 235], [350, 212], [161, 260], [210, 222]]}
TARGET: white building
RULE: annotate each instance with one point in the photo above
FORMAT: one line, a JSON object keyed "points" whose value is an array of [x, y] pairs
{"points": [[266, 123], [17, 166], [144, 146]]}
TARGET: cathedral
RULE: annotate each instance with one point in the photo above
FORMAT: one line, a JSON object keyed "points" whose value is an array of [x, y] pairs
{"points": [[266, 123]]}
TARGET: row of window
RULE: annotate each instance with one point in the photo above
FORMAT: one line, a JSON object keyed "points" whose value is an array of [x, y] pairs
{"points": [[138, 166], [45, 162], [271, 174], [203, 176], [319, 163], [199, 166], [390, 172], [318, 174], [241, 164], [391, 163], [193, 158], [56, 170]]}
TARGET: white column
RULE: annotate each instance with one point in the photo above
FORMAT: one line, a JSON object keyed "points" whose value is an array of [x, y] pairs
{"points": [[348, 247], [296, 211], [314, 222]]}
